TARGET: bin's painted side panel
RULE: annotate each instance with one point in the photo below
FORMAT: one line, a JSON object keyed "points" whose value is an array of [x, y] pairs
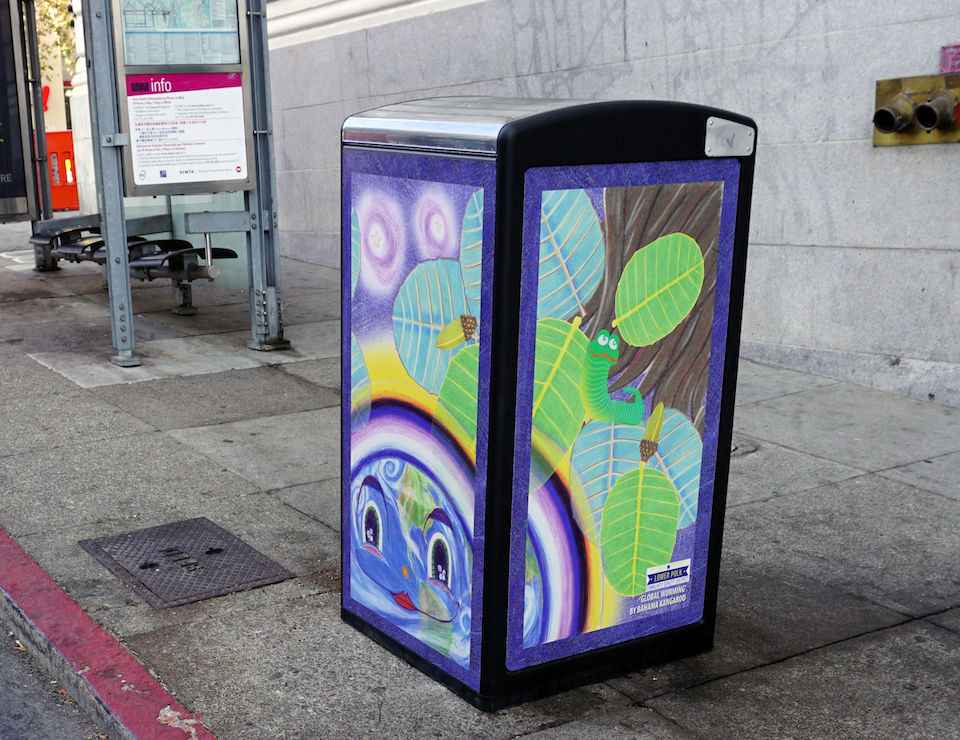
{"points": [[418, 250], [625, 299]]}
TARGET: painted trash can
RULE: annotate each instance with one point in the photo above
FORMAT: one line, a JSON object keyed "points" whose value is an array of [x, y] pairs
{"points": [[541, 315]]}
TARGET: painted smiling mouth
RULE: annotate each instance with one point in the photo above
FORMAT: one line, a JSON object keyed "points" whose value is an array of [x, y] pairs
{"points": [[602, 355], [403, 600]]}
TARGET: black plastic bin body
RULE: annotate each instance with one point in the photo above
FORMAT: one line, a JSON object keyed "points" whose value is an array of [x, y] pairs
{"points": [[541, 315]]}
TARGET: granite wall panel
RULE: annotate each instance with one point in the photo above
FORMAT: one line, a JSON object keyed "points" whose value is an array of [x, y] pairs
{"points": [[854, 252]]}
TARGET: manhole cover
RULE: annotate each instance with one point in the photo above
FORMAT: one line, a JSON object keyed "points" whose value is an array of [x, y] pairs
{"points": [[188, 561]]}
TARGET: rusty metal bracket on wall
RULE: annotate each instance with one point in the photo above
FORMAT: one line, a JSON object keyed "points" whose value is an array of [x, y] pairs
{"points": [[917, 110]]}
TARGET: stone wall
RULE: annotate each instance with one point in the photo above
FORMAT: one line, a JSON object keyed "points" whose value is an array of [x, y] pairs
{"points": [[854, 253]]}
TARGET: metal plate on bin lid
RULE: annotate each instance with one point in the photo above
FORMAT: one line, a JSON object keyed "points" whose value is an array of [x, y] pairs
{"points": [[456, 124], [728, 138], [183, 562]]}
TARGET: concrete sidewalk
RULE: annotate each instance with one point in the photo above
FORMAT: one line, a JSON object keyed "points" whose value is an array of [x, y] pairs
{"points": [[839, 604]]}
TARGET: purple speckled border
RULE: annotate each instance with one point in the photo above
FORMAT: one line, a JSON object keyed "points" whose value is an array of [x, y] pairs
{"points": [[536, 181], [458, 171]]}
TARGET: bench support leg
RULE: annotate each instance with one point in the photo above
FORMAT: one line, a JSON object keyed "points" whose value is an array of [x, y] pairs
{"points": [[42, 259], [183, 299]]}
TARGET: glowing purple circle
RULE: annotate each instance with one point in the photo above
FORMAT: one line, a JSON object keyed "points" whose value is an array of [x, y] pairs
{"points": [[382, 242], [435, 230]]}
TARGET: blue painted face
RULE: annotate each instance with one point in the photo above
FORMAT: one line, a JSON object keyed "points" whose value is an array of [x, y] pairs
{"points": [[410, 542]]}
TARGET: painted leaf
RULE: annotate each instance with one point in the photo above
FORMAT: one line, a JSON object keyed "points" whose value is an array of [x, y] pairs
{"points": [[571, 254], [457, 401], [679, 455], [429, 299], [557, 409], [354, 250], [471, 251], [659, 286], [638, 529], [602, 452], [360, 389]]}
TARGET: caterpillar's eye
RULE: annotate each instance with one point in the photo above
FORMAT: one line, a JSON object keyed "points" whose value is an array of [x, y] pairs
{"points": [[614, 343], [439, 559], [602, 339], [372, 526]]}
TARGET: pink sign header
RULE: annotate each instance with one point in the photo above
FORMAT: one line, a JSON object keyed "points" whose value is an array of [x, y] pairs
{"points": [[160, 84], [949, 60]]}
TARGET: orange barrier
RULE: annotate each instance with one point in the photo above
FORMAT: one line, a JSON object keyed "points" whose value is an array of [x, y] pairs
{"points": [[63, 175]]}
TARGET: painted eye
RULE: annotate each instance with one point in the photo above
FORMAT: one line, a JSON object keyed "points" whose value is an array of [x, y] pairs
{"points": [[372, 526], [602, 339], [439, 559], [614, 343]]}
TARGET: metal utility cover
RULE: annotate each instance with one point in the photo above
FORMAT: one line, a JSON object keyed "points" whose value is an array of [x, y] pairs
{"points": [[179, 563]]}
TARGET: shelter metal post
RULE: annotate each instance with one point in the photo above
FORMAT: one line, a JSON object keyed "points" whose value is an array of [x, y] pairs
{"points": [[42, 259], [36, 92], [266, 317], [107, 141]]}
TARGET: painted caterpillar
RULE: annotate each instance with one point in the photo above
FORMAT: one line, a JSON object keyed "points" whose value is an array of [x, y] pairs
{"points": [[602, 353]]}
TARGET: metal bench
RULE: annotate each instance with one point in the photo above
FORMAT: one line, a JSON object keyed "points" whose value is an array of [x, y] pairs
{"points": [[79, 240]]}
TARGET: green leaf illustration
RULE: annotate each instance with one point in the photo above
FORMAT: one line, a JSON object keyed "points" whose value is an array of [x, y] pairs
{"points": [[658, 288], [557, 408], [571, 253], [354, 250], [639, 528], [602, 453], [429, 299], [360, 390], [457, 401], [471, 251], [679, 455]]}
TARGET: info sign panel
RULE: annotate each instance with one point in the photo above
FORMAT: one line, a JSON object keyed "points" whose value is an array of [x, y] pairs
{"points": [[186, 128], [185, 96], [17, 190]]}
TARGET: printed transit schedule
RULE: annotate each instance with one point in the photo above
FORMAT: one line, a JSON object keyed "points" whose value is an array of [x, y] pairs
{"points": [[186, 128], [179, 32]]}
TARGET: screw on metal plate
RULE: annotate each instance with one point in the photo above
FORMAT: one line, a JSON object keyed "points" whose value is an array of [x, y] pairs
{"points": [[728, 138]]}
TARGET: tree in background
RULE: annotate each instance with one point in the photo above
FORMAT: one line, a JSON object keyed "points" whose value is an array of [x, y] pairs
{"points": [[55, 34]]}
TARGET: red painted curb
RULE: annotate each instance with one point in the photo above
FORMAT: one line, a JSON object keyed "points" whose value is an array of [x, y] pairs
{"points": [[65, 634]]}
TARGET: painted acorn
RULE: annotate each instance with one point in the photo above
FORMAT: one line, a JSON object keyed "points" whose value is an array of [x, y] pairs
{"points": [[651, 437], [469, 326], [648, 448], [456, 332]]}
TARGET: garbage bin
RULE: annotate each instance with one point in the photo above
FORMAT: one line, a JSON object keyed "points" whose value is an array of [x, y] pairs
{"points": [[541, 315]]}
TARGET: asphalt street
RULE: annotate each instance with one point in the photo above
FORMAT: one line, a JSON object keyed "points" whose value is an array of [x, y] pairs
{"points": [[32, 705]]}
